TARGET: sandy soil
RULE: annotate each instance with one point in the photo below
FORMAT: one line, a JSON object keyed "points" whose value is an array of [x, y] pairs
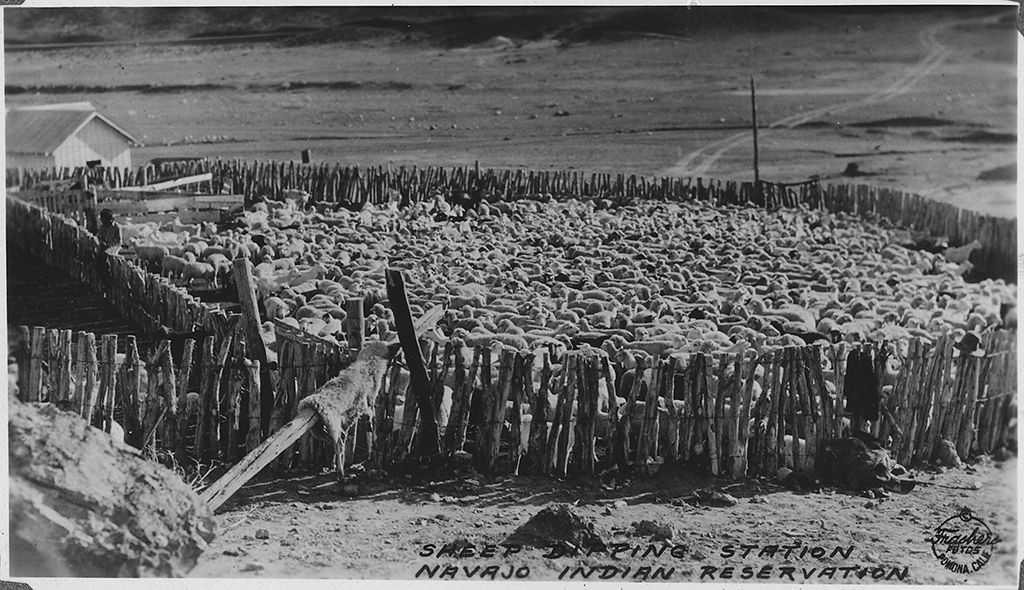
{"points": [[933, 113], [311, 526]]}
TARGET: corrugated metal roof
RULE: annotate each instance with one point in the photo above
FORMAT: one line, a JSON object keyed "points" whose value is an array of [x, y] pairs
{"points": [[32, 131], [61, 106]]}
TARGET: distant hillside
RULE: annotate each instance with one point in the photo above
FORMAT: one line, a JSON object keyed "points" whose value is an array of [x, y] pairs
{"points": [[442, 26]]}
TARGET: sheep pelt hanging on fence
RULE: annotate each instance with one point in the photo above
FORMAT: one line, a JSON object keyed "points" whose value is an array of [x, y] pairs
{"points": [[342, 400], [862, 385], [81, 506]]}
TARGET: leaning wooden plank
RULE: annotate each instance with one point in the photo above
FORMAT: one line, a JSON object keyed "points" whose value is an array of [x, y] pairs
{"points": [[64, 385], [649, 425], [241, 270], [35, 373], [91, 378], [23, 355], [205, 397], [79, 394], [538, 447], [613, 411], [169, 416], [457, 399], [519, 370], [169, 184], [739, 467], [53, 374], [489, 437], [419, 385], [566, 417], [626, 417], [252, 439], [184, 373], [556, 422], [237, 378], [587, 414], [251, 464], [384, 419], [151, 411]]}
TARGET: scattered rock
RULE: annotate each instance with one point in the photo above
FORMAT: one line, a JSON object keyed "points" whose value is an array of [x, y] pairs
{"points": [[620, 504], [262, 534], [657, 531], [435, 497], [723, 498], [253, 566], [1001, 454], [561, 113], [947, 456], [557, 524]]}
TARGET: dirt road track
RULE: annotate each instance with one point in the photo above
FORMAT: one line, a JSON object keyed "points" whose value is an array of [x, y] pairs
{"points": [[700, 162]]}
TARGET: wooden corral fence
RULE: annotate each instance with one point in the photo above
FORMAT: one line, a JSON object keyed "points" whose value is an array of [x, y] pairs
{"points": [[196, 402], [938, 395], [113, 178], [148, 300], [333, 184], [574, 423], [713, 421]]}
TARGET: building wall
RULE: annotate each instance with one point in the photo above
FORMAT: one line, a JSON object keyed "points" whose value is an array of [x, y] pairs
{"points": [[95, 141]]}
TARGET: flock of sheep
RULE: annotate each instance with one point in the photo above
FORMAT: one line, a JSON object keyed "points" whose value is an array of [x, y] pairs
{"points": [[656, 277], [643, 279]]}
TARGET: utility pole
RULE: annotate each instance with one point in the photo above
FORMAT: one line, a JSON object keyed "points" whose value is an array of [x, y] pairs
{"points": [[753, 124]]}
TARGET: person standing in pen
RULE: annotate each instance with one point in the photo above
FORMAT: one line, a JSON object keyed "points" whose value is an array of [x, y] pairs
{"points": [[109, 236]]}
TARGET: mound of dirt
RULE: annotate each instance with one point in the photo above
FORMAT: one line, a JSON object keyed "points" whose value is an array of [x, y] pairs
{"points": [[556, 525], [80, 506]]}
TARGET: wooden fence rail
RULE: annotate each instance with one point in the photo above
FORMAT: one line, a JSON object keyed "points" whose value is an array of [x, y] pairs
{"points": [[146, 299], [561, 416], [572, 418], [379, 184], [183, 403]]}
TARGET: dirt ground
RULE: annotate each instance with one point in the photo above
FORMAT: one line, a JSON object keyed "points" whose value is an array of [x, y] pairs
{"points": [[919, 100], [312, 526]]}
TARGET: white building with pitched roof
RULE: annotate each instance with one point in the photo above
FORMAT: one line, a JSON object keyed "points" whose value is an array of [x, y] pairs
{"points": [[65, 135]]}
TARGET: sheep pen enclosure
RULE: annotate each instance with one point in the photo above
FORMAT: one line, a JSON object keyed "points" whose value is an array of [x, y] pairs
{"points": [[622, 333]]}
